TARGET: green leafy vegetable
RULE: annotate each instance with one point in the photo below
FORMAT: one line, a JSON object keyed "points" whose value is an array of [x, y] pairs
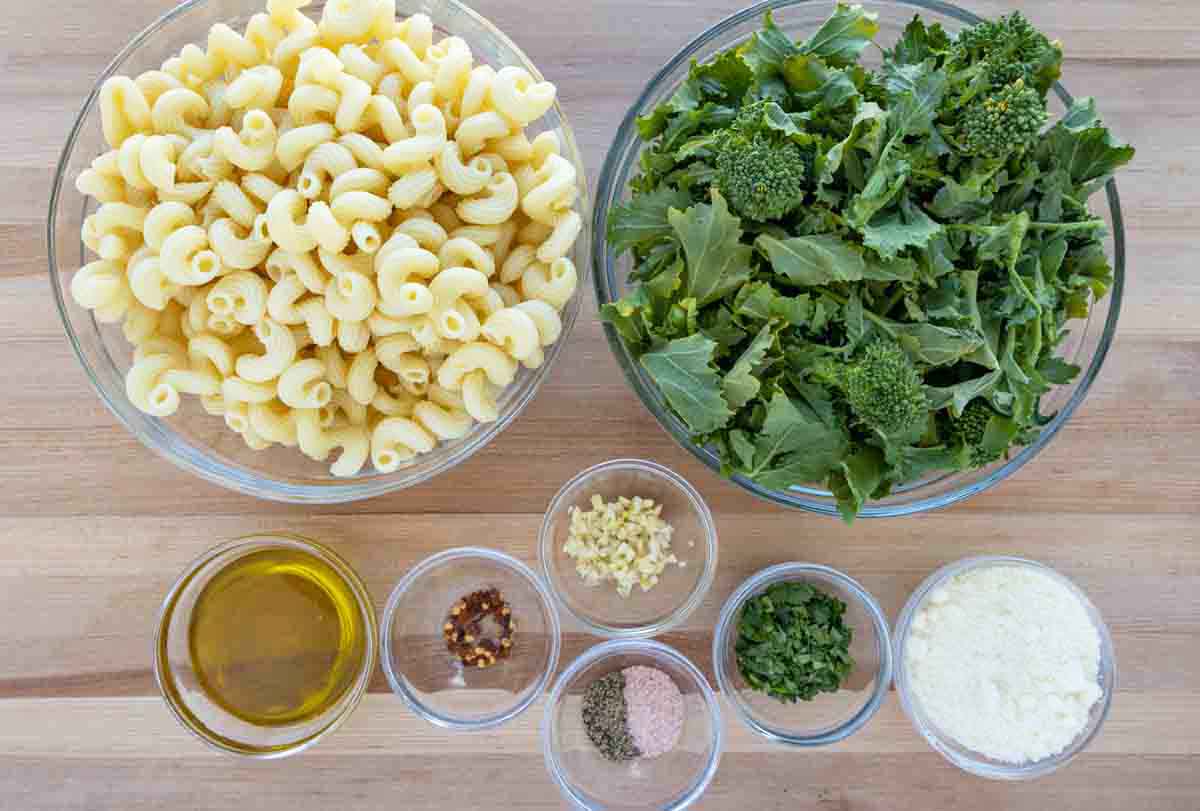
{"points": [[718, 263], [682, 369], [767, 50], [814, 261], [795, 444], [860, 476], [793, 642], [984, 433], [842, 37], [643, 221], [1081, 146], [857, 277], [741, 385], [906, 227]]}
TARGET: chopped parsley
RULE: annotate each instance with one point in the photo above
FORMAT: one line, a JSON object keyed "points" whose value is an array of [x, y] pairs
{"points": [[793, 642]]}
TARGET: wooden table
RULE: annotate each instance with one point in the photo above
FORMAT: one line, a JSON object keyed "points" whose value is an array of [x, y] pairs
{"points": [[94, 528]]}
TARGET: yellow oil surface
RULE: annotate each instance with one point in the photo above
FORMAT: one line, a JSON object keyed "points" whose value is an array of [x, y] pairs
{"points": [[277, 637]]}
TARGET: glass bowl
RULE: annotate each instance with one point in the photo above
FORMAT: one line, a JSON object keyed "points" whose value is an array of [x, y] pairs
{"points": [[667, 783], [430, 679], [192, 439], [681, 588], [180, 684], [1086, 346], [830, 717], [967, 759]]}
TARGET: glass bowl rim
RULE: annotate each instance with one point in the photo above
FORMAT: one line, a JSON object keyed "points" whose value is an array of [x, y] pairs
{"points": [[975, 765], [786, 571], [808, 498], [199, 460], [650, 647], [695, 597], [410, 579], [319, 550]]}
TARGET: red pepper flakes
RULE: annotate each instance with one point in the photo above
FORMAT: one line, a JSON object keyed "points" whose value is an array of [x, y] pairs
{"points": [[464, 631]]}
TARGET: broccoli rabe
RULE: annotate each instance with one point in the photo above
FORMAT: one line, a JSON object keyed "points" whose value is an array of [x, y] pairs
{"points": [[1003, 122], [1008, 49], [834, 256], [882, 388], [762, 177], [970, 429], [760, 172]]}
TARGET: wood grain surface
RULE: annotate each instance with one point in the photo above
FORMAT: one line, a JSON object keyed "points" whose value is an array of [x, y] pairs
{"points": [[94, 528]]}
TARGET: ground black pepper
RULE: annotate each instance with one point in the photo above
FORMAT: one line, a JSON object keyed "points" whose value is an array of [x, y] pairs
{"points": [[604, 717]]}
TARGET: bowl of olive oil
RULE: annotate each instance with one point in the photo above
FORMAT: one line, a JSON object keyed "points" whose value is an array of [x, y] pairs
{"points": [[265, 645]]}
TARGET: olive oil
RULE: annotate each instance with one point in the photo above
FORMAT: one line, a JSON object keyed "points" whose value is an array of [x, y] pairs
{"points": [[277, 637]]}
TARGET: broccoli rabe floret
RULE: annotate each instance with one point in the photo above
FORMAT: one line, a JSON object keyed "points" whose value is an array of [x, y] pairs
{"points": [[885, 390], [761, 176], [1008, 49], [882, 387], [970, 429], [761, 173], [1003, 122]]}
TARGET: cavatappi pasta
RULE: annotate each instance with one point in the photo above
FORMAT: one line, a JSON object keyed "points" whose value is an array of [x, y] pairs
{"points": [[335, 233]]}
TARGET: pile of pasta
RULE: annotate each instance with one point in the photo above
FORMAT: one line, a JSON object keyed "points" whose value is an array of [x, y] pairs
{"points": [[335, 233]]}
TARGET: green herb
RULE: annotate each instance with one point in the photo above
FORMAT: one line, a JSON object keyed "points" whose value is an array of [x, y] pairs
{"points": [[859, 277], [604, 717], [793, 643]]}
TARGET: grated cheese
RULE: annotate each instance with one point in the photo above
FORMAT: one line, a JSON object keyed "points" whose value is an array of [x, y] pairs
{"points": [[1005, 661]]}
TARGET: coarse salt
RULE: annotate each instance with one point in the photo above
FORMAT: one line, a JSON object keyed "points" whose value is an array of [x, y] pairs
{"points": [[654, 710], [1005, 660]]}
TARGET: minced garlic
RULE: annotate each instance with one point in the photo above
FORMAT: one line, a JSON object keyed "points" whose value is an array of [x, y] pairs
{"points": [[625, 541]]}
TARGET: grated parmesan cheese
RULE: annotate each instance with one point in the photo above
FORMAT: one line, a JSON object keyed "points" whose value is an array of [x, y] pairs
{"points": [[1005, 661]]}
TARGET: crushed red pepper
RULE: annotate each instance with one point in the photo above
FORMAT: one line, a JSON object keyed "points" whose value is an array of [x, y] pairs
{"points": [[464, 632]]}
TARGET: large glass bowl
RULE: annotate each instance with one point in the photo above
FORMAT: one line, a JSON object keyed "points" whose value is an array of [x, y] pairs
{"points": [[192, 439], [1086, 346]]}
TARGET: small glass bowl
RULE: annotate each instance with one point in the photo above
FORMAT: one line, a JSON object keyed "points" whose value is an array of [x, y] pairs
{"points": [[178, 682], [830, 717], [1086, 345], [967, 759], [680, 588], [670, 782], [430, 679], [192, 439]]}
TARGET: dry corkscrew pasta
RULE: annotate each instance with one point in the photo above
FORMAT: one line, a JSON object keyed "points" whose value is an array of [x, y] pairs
{"points": [[336, 233]]}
